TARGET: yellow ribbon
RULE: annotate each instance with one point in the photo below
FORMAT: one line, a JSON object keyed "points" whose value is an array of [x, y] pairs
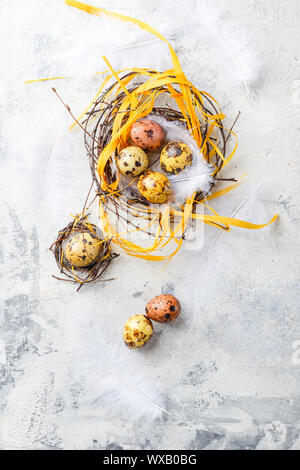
{"points": [[138, 103]]}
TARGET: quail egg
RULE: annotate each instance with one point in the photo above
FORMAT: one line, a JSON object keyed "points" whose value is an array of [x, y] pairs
{"points": [[163, 308], [132, 161], [147, 134], [137, 331], [155, 187], [82, 249], [175, 157]]}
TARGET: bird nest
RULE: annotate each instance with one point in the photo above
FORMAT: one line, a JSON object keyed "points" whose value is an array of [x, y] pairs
{"points": [[107, 124], [124, 98], [100, 121], [81, 275]]}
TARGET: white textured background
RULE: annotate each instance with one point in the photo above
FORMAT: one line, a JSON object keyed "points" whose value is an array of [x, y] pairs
{"points": [[228, 371]]}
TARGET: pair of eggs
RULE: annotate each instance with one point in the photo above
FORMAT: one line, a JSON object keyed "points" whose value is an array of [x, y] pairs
{"points": [[138, 329], [145, 135], [175, 157], [133, 160]]}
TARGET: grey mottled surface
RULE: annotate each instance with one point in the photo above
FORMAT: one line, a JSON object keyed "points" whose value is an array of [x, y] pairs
{"points": [[228, 372]]}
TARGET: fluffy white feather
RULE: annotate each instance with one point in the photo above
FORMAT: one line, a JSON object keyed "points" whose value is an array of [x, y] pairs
{"points": [[116, 380], [233, 44], [220, 261]]}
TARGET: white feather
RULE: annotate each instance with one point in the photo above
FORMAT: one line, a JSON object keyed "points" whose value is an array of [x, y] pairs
{"points": [[221, 254], [115, 379], [232, 41]]}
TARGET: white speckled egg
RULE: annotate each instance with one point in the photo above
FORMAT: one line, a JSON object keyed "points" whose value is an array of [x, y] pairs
{"points": [[82, 250], [155, 187], [132, 161], [137, 331]]}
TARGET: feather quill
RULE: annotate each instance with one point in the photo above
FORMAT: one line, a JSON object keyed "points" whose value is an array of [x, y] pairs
{"points": [[232, 37], [220, 263]]}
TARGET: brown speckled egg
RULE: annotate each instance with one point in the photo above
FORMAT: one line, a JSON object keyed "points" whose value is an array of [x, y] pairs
{"points": [[137, 331], [147, 134], [163, 308], [132, 161], [155, 187], [82, 250], [175, 157]]}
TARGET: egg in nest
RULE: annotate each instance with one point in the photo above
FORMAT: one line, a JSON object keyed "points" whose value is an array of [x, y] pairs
{"points": [[175, 157], [155, 187], [132, 161], [82, 249], [137, 331], [147, 134], [163, 308]]}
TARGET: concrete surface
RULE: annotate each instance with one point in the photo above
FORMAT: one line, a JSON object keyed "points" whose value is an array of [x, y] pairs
{"points": [[227, 374]]}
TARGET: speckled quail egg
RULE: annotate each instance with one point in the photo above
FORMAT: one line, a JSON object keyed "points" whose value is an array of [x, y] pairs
{"points": [[163, 308], [147, 134], [175, 157], [155, 187], [137, 331], [82, 250], [132, 161]]}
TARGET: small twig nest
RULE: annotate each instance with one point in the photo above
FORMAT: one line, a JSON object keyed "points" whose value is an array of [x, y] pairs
{"points": [[98, 127], [85, 274], [107, 126]]}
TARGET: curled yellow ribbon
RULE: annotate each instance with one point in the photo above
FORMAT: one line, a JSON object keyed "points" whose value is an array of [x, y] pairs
{"points": [[171, 223]]}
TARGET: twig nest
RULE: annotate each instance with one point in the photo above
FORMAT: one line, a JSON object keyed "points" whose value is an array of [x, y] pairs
{"points": [[175, 157], [155, 187], [163, 308], [137, 331], [81, 245], [82, 250], [147, 134], [132, 161]]}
